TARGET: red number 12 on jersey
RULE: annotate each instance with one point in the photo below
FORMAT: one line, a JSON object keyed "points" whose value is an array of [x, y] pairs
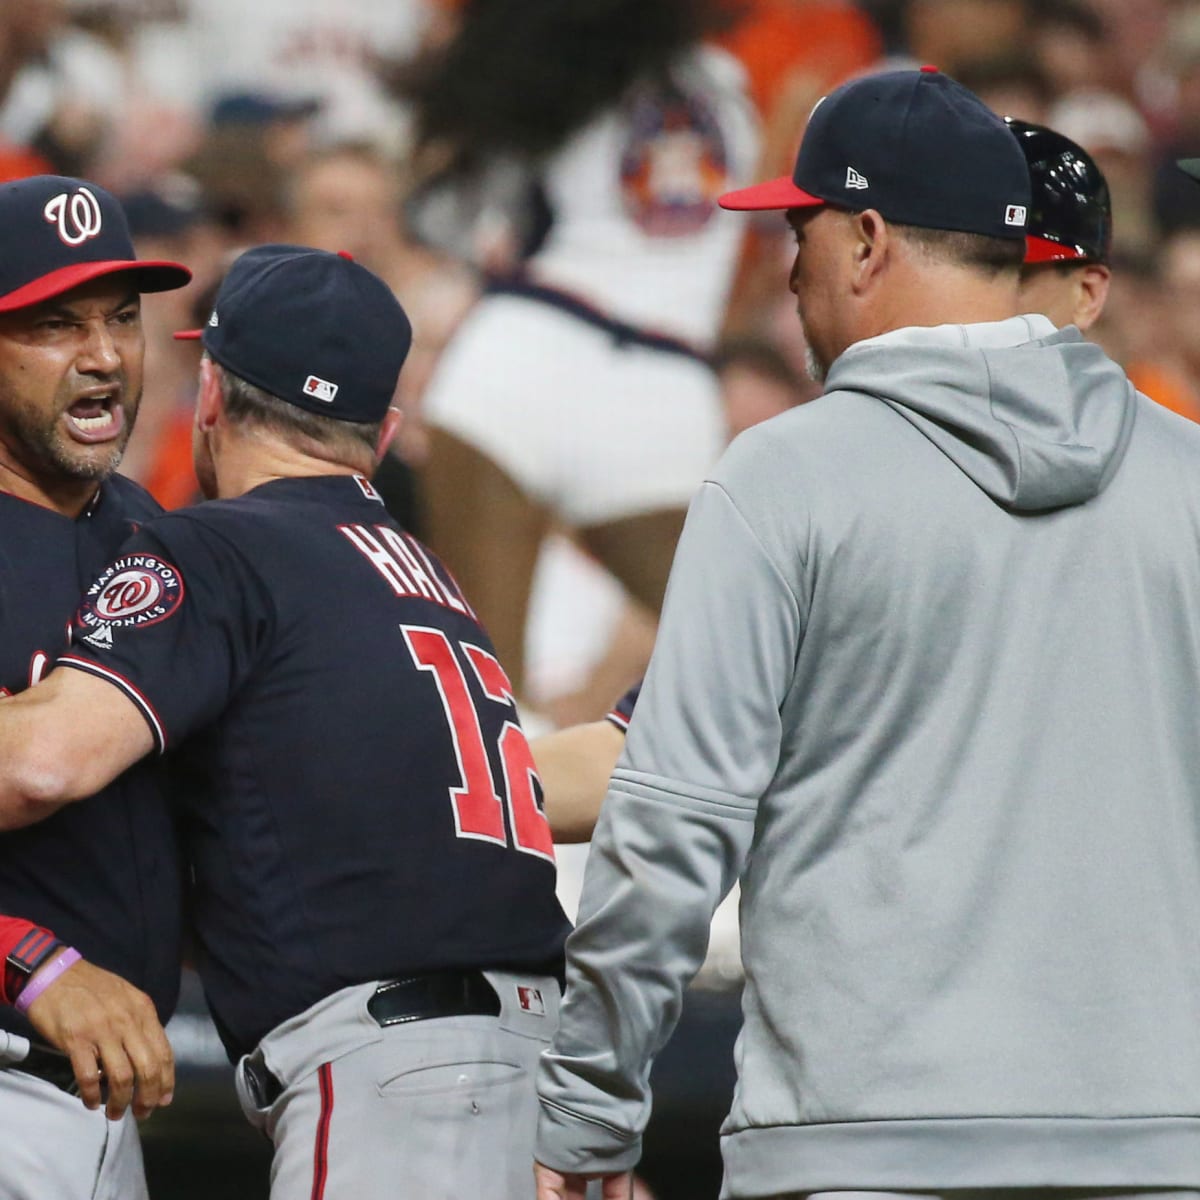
{"points": [[478, 809]]}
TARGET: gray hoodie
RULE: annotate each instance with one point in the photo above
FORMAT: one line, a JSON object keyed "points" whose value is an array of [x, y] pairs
{"points": [[926, 681]]}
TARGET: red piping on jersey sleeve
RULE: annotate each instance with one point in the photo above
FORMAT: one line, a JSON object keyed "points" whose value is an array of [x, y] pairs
{"points": [[115, 677]]}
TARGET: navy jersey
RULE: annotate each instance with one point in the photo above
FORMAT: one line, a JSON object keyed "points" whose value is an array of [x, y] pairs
{"points": [[103, 874], [360, 799]]}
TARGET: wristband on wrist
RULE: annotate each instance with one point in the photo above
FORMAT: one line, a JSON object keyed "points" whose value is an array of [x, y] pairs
{"points": [[35, 947], [45, 977]]}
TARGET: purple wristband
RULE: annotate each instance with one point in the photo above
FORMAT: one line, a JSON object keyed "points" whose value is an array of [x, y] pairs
{"points": [[44, 977]]}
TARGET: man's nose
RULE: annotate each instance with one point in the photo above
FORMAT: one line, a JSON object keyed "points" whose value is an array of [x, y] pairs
{"points": [[99, 354]]}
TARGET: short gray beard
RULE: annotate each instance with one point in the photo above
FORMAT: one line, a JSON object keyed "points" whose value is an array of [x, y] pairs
{"points": [[813, 366]]}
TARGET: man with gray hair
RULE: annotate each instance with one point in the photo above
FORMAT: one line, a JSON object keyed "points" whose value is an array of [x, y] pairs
{"points": [[925, 683]]}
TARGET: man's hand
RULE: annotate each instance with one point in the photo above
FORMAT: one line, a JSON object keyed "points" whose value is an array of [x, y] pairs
{"points": [[111, 1032], [554, 1185]]}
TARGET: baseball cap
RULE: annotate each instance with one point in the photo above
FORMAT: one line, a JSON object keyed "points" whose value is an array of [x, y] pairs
{"points": [[57, 233], [261, 108], [1070, 215], [916, 146], [315, 329]]}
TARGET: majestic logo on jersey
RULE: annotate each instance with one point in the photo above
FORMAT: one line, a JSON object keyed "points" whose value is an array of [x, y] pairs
{"points": [[674, 165], [100, 637], [855, 181], [137, 590], [1015, 214], [76, 216]]}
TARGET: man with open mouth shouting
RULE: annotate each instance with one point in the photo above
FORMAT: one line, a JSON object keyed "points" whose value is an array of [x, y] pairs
{"points": [[91, 953]]}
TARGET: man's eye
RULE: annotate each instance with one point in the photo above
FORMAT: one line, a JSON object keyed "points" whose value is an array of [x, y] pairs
{"points": [[127, 316]]}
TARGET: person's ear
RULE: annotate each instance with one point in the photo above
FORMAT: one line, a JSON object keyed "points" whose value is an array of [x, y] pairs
{"points": [[870, 246], [389, 427], [1091, 291], [210, 402]]}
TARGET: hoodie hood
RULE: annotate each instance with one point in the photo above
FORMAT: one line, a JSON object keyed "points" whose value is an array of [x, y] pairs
{"points": [[1037, 418]]}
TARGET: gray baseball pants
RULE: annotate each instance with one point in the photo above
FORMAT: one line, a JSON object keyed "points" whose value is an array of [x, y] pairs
{"points": [[438, 1109], [56, 1149]]}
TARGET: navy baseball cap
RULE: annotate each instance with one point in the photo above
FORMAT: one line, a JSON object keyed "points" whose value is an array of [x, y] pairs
{"points": [[315, 329], [1070, 214], [57, 233], [916, 146]]}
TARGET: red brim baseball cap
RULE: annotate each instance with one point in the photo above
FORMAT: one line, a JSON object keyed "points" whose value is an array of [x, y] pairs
{"points": [[57, 233], [915, 146], [775, 193], [145, 276]]}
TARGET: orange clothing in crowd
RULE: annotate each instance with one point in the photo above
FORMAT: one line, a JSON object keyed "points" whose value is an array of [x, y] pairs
{"points": [[171, 479], [18, 162], [1167, 387], [777, 40]]}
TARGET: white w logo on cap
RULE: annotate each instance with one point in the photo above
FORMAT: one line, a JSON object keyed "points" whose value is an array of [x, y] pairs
{"points": [[77, 216]]}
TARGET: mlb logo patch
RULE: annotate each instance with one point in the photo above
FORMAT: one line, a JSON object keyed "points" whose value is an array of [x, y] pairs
{"points": [[530, 1000], [1015, 214], [320, 389]]}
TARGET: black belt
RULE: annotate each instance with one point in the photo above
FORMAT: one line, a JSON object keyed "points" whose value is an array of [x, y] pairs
{"points": [[464, 993], [621, 332], [436, 994], [52, 1067]]}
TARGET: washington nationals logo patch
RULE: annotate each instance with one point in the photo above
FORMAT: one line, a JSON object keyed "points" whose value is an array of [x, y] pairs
{"points": [[137, 590], [76, 216]]}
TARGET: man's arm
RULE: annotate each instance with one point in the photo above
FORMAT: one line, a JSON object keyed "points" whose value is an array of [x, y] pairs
{"points": [[574, 765], [672, 835], [111, 1033], [64, 740], [107, 1027]]}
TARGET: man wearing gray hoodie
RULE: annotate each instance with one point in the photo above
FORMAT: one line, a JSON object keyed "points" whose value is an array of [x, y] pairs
{"points": [[926, 683]]}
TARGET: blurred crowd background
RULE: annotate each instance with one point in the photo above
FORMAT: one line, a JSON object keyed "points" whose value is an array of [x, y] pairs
{"points": [[362, 125], [222, 124]]}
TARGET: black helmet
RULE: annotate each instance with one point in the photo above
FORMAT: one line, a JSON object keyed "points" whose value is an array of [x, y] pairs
{"points": [[1070, 219]]}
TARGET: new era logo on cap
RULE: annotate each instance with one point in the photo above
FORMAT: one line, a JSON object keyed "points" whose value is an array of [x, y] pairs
{"points": [[320, 389], [855, 180], [1016, 214]]}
